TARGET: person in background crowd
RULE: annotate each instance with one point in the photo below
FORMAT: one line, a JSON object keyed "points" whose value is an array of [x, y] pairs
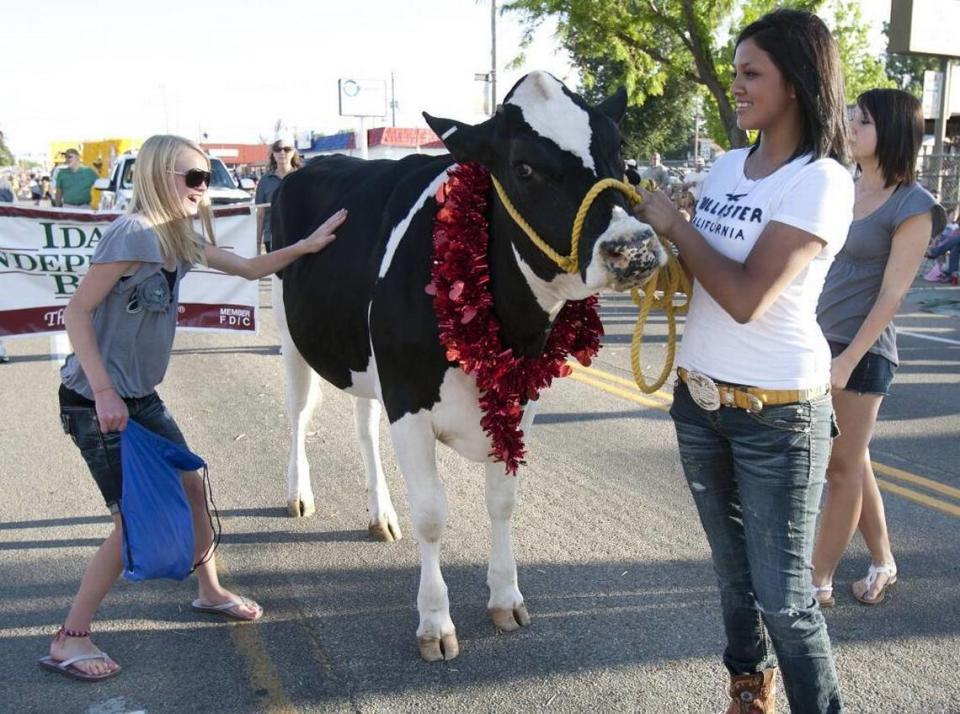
{"points": [[693, 181], [949, 245], [752, 407], [121, 321], [283, 159], [686, 204], [656, 172], [894, 218], [36, 192], [74, 182], [6, 191]]}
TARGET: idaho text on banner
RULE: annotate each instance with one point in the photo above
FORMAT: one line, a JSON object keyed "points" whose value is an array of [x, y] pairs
{"points": [[45, 253]]}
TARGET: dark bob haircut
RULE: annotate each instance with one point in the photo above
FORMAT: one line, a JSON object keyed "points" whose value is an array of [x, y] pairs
{"points": [[898, 118], [804, 51]]}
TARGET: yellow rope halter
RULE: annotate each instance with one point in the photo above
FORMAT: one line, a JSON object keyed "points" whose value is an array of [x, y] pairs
{"points": [[667, 281]]}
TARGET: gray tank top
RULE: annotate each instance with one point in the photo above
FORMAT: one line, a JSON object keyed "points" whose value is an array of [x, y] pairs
{"points": [[854, 280], [136, 321]]}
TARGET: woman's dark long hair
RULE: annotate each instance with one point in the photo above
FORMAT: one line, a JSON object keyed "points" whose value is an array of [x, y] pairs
{"points": [[295, 161], [802, 48], [898, 118]]}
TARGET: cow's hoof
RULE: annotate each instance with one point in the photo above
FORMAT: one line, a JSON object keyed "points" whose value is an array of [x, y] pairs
{"points": [[509, 620], [298, 508], [435, 650], [384, 531]]}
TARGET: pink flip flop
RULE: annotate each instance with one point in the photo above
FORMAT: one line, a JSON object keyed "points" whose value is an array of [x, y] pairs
{"points": [[66, 668], [226, 609]]}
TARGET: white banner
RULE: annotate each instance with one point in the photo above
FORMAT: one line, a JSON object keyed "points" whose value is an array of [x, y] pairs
{"points": [[44, 253]]}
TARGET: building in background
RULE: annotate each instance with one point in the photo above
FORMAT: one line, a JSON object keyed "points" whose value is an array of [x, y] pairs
{"points": [[387, 142]]}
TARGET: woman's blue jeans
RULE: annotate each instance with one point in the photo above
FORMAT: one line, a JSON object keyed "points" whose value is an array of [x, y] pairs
{"points": [[951, 245], [756, 479]]}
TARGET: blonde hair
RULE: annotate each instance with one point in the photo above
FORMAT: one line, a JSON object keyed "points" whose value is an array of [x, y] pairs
{"points": [[155, 198]]}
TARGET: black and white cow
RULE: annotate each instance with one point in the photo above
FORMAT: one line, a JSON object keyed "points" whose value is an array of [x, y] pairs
{"points": [[357, 313]]}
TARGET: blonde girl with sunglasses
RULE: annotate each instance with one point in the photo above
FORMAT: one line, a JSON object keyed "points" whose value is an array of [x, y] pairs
{"points": [[122, 321]]}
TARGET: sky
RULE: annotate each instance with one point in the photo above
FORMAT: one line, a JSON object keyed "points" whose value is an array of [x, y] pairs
{"points": [[231, 69]]}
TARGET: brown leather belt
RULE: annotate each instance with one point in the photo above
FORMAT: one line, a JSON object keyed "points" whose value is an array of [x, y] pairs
{"points": [[711, 395]]}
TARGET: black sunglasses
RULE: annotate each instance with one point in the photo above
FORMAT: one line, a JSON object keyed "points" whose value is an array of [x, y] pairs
{"points": [[194, 178], [284, 149]]}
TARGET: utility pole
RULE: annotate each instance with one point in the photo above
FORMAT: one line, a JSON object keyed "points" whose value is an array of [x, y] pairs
{"points": [[493, 57], [393, 101], [696, 134], [940, 125]]}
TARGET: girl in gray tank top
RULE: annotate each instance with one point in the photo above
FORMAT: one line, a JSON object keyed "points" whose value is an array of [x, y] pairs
{"points": [[121, 321], [894, 218]]}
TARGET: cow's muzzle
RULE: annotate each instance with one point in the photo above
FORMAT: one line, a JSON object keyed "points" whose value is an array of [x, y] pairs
{"points": [[631, 260]]}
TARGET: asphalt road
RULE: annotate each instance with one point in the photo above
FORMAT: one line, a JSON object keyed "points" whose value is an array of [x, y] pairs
{"points": [[612, 561]]}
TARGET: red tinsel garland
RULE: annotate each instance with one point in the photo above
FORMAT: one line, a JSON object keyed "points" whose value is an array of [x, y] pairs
{"points": [[469, 329]]}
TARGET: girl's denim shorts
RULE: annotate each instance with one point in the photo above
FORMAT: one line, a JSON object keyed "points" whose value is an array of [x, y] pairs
{"points": [[101, 450], [872, 375]]}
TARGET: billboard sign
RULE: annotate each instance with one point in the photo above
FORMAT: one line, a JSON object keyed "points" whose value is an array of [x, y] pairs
{"points": [[362, 97]]}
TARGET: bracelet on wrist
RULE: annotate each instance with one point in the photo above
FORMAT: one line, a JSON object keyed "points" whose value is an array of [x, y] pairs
{"points": [[98, 391]]}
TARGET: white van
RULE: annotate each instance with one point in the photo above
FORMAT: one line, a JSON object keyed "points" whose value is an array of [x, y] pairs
{"points": [[116, 190]]}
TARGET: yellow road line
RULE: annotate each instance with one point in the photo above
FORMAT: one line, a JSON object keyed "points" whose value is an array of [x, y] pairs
{"points": [[634, 396], [248, 643], [918, 480], [922, 498], [627, 389], [617, 379]]}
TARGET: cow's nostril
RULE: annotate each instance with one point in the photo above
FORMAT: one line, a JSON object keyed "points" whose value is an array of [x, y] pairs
{"points": [[616, 254]]}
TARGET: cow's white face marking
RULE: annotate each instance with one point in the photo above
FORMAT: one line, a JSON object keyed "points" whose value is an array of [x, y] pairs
{"points": [[399, 230], [555, 116]]}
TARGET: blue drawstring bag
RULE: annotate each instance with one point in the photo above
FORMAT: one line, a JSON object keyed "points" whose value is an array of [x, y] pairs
{"points": [[158, 540]]}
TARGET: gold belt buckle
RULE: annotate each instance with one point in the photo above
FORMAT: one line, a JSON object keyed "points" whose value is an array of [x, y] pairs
{"points": [[704, 391]]}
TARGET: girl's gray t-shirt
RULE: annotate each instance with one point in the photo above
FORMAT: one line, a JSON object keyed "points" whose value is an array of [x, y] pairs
{"points": [[853, 283], [136, 322]]}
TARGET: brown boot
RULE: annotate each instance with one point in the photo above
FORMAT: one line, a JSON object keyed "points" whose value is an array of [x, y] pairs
{"points": [[753, 693]]}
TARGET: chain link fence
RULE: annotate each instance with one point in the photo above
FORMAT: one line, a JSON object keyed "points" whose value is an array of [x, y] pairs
{"points": [[940, 174]]}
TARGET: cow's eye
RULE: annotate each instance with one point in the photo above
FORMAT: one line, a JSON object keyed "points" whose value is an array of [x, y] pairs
{"points": [[523, 171]]}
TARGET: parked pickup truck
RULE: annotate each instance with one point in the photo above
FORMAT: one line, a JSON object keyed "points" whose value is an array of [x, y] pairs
{"points": [[116, 190]]}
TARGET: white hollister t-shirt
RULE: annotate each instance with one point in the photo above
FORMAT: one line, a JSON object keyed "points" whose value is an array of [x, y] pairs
{"points": [[783, 348]]}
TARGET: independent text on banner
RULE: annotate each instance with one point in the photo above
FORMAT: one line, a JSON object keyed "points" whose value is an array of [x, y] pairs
{"points": [[44, 253]]}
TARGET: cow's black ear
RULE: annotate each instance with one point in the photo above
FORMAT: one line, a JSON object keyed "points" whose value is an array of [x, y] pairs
{"points": [[615, 106], [466, 142]]}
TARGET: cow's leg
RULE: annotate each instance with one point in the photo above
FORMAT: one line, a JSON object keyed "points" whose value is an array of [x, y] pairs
{"points": [[383, 524], [303, 394], [506, 606], [415, 447]]}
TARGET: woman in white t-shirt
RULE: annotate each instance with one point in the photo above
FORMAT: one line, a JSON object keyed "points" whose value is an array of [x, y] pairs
{"points": [[752, 405]]}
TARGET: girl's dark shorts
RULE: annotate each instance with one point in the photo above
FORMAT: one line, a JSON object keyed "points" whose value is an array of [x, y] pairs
{"points": [[872, 375], [102, 451]]}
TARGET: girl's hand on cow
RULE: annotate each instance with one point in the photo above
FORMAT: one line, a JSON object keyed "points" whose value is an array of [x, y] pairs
{"points": [[324, 235], [657, 211], [111, 411]]}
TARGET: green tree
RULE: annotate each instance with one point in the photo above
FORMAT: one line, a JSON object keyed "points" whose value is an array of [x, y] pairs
{"points": [[656, 124], [6, 156], [646, 46], [861, 70]]}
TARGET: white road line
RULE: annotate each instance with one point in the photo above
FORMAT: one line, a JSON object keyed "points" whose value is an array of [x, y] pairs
{"points": [[928, 337]]}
